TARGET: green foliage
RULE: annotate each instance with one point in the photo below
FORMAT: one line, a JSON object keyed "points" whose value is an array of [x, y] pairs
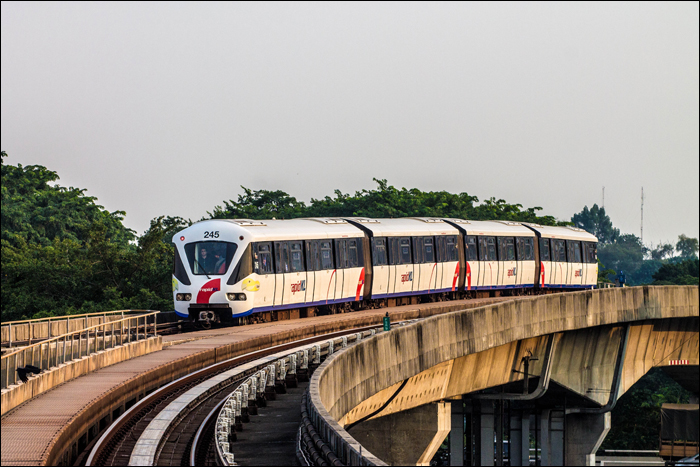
{"points": [[662, 251], [596, 222], [686, 246], [385, 201], [64, 254], [686, 272], [636, 418], [36, 211], [603, 273]]}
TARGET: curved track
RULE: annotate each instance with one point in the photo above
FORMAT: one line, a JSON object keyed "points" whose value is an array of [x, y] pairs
{"points": [[116, 445]]}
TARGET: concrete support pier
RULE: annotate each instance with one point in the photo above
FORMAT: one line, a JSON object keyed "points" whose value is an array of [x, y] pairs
{"points": [[584, 434], [406, 438]]}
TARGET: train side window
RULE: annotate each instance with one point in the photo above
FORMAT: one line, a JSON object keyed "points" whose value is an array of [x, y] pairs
{"points": [[297, 256], [491, 243], [326, 252], [405, 245], [353, 257], [394, 257], [441, 249], [559, 250], [309, 255], [379, 257], [282, 257], [451, 248], [570, 251], [341, 254], [510, 249], [418, 250], [471, 248], [429, 250], [528, 249], [544, 249], [501, 248], [483, 249], [179, 270], [519, 248], [263, 259], [590, 255], [576, 250]]}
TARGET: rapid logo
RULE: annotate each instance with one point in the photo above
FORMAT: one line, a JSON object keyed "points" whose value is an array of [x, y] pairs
{"points": [[408, 277], [207, 290], [299, 287], [511, 272], [578, 272]]}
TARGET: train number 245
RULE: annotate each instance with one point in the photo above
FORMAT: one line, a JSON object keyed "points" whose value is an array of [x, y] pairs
{"points": [[212, 234]]}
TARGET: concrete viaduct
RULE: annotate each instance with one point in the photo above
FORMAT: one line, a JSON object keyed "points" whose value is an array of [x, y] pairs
{"points": [[394, 398]]}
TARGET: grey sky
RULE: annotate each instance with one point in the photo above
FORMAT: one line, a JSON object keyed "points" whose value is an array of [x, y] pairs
{"points": [[169, 108]]}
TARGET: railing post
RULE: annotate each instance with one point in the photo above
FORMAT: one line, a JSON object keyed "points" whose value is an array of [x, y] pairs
{"points": [[31, 332], [155, 325], [80, 344], [10, 334]]}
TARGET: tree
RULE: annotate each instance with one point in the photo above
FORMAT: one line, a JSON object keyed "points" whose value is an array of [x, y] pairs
{"points": [[686, 246], [662, 251], [596, 222], [686, 272]]}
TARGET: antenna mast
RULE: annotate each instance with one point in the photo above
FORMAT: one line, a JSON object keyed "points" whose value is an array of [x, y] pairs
{"points": [[603, 206], [641, 229]]}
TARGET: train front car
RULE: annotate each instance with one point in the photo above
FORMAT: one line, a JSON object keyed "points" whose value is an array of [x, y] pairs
{"points": [[206, 271]]}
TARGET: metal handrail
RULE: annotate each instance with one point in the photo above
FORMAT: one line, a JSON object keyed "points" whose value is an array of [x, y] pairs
{"points": [[10, 361], [48, 318], [53, 319]]}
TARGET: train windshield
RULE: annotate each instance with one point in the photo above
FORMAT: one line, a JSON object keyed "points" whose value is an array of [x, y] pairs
{"points": [[210, 258]]}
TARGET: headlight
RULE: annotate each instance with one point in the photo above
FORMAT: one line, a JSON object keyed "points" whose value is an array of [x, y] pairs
{"points": [[183, 297], [236, 296]]}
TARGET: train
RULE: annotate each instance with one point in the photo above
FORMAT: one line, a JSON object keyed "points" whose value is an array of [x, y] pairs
{"points": [[244, 271]]}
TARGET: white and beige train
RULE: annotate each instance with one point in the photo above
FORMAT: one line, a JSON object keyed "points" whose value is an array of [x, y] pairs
{"points": [[262, 270]]}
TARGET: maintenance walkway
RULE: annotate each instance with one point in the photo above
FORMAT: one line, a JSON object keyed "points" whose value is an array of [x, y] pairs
{"points": [[56, 426]]}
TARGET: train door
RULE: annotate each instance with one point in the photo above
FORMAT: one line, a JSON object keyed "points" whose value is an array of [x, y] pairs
{"points": [[506, 261], [380, 267], [419, 279], [526, 262], [450, 269], [312, 259], [472, 260], [262, 263], [297, 274], [560, 266], [545, 263], [519, 258], [341, 264], [282, 291], [403, 264], [590, 263], [324, 290], [354, 277], [575, 262], [431, 262], [489, 262]]}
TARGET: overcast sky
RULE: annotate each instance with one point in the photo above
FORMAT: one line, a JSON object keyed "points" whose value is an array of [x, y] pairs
{"points": [[167, 108]]}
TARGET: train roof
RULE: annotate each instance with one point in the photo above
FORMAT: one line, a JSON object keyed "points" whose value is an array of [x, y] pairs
{"points": [[495, 228], [404, 226], [292, 229], [564, 232]]}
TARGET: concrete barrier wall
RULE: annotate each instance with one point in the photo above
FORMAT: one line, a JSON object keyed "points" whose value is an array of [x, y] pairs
{"points": [[352, 376], [17, 394]]}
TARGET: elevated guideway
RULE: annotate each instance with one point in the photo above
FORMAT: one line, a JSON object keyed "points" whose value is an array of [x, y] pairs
{"points": [[583, 350], [56, 426]]}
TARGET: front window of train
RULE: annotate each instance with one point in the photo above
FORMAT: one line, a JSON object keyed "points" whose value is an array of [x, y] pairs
{"points": [[210, 258]]}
